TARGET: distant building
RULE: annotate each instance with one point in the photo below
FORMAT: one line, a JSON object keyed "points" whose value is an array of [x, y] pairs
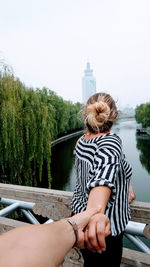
{"points": [[127, 111], [88, 84]]}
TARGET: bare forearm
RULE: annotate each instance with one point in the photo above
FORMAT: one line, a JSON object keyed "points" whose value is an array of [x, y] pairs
{"points": [[39, 245], [98, 228], [62, 240], [99, 196], [42, 245]]}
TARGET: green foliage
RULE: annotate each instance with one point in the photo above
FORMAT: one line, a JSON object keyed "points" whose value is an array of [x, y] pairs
{"points": [[29, 120], [142, 114], [67, 117]]}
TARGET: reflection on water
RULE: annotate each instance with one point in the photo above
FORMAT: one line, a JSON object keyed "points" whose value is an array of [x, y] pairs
{"points": [[143, 145], [62, 164], [137, 152]]}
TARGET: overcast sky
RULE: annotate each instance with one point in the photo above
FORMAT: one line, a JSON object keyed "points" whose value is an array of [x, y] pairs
{"points": [[48, 42]]}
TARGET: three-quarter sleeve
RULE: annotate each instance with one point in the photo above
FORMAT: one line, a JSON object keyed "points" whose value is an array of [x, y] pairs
{"points": [[105, 170]]}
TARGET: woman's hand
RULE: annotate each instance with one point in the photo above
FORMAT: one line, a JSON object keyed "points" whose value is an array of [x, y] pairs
{"points": [[96, 231], [82, 219], [132, 195]]}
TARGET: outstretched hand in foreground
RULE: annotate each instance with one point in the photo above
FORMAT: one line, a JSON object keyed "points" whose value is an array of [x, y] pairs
{"points": [[43, 245]]}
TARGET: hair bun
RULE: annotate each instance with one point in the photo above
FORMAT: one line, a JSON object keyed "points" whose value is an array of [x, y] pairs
{"points": [[97, 113]]}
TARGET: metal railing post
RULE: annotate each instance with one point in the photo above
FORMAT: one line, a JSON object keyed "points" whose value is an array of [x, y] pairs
{"points": [[4, 212], [30, 216], [138, 243]]}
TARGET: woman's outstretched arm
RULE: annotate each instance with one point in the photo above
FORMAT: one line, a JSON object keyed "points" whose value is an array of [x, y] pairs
{"points": [[98, 228]]}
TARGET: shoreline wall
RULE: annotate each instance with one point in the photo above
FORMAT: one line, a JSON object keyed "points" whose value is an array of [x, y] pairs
{"points": [[66, 137]]}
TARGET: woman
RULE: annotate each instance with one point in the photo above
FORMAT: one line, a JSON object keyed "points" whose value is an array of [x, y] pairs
{"points": [[103, 178]]}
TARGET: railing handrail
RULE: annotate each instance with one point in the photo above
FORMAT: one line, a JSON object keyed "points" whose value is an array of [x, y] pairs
{"points": [[55, 204]]}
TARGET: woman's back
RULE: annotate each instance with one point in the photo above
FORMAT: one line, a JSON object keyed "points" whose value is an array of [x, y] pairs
{"points": [[99, 161]]}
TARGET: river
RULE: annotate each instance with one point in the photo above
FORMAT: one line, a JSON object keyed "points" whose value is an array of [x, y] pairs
{"points": [[137, 150]]}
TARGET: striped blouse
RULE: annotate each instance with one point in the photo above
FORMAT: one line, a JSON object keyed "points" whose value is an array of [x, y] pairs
{"points": [[100, 161]]}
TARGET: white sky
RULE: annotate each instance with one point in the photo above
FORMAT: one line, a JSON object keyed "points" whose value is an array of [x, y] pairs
{"points": [[47, 42]]}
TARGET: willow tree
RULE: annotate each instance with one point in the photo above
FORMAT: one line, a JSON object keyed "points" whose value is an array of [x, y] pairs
{"points": [[26, 129], [29, 120], [66, 114]]}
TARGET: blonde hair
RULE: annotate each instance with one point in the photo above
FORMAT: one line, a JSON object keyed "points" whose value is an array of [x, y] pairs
{"points": [[99, 113]]}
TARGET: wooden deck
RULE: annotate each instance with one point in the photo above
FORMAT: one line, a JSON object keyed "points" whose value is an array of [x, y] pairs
{"points": [[55, 204]]}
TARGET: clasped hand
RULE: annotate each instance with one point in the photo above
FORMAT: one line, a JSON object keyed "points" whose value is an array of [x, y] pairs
{"points": [[93, 236]]}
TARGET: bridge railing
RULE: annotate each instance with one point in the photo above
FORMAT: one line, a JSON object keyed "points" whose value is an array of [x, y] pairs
{"points": [[55, 204]]}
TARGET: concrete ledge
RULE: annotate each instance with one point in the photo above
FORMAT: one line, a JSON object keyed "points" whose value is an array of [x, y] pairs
{"points": [[135, 258], [55, 204], [66, 137], [8, 224]]}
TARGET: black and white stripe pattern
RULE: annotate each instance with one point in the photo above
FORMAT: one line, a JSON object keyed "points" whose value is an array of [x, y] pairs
{"points": [[100, 161]]}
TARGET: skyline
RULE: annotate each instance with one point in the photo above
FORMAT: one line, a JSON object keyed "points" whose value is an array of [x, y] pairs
{"points": [[48, 43]]}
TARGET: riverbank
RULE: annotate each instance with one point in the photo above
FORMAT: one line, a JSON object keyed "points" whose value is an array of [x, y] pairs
{"points": [[66, 137]]}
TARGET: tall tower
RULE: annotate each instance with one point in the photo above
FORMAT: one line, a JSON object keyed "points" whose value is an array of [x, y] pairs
{"points": [[88, 84]]}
